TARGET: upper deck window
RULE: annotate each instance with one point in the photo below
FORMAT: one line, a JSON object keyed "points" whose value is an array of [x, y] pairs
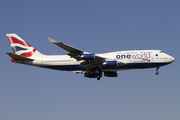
{"points": [[161, 52]]}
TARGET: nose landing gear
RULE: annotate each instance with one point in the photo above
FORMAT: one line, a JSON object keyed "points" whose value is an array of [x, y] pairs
{"points": [[157, 73]]}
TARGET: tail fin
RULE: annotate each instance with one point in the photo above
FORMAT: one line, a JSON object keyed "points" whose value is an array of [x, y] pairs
{"points": [[20, 47]]}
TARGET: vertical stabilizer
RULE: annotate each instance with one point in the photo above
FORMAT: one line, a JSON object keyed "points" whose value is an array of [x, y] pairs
{"points": [[21, 47]]}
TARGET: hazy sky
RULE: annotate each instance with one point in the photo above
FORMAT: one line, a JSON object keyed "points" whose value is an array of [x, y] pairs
{"points": [[96, 26]]}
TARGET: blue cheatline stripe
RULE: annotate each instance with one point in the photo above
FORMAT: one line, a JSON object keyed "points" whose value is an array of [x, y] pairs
{"points": [[128, 66], [17, 48], [143, 65]]}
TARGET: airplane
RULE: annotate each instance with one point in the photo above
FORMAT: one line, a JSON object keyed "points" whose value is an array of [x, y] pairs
{"points": [[89, 64]]}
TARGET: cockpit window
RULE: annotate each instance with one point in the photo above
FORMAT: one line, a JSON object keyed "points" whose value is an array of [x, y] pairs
{"points": [[161, 52]]}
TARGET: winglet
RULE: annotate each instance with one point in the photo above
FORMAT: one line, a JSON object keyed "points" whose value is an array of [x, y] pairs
{"points": [[52, 40]]}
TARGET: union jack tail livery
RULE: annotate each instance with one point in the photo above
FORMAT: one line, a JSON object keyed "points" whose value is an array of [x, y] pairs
{"points": [[21, 47], [89, 64]]}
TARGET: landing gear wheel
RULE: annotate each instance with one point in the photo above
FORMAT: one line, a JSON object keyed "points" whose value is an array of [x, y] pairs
{"points": [[157, 73], [98, 78], [99, 75]]}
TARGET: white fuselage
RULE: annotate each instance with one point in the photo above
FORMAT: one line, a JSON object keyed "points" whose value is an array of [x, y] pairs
{"points": [[134, 59]]}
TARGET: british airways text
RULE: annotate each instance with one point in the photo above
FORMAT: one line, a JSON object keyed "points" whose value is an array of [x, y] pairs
{"points": [[134, 56]]}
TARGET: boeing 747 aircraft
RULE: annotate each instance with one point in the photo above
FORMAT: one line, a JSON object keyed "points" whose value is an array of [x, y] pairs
{"points": [[91, 65]]}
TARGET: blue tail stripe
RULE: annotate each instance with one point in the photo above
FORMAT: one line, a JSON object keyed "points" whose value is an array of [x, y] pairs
{"points": [[17, 48]]}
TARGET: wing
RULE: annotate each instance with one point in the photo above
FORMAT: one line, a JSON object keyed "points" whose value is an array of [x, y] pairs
{"points": [[66, 47], [80, 55], [91, 62]]}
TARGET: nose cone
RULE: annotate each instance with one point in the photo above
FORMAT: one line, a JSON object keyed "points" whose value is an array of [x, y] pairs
{"points": [[172, 59]]}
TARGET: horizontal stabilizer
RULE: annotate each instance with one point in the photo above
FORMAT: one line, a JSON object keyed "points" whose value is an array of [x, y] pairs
{"points": [[18, 57]]}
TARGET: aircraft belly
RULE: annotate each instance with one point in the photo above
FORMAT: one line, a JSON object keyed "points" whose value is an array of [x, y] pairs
{"points": [[136, 66], [143, 65], [65, 67], [128, 66]]}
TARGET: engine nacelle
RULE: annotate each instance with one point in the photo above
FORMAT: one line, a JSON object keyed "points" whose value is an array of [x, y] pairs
{"points": [[110, 64], [91, 75], [111, 74], [88, 56]]}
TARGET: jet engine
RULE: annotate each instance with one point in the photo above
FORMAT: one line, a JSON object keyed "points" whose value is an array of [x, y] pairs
{"points": [[88, 56], [111, 74], [91, 75], [110, 64], [113, 64], [82, 56]]}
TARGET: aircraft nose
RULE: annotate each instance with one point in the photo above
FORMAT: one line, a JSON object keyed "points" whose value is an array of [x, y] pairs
{"points": [[173, 59]]}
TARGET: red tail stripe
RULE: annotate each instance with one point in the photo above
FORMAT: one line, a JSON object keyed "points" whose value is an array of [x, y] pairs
{"points": [[28, 54], [9, 40], [15, 40]]}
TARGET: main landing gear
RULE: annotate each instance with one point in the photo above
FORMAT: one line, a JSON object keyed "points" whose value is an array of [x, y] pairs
{"points": [[157, 73], [99, 75]]}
